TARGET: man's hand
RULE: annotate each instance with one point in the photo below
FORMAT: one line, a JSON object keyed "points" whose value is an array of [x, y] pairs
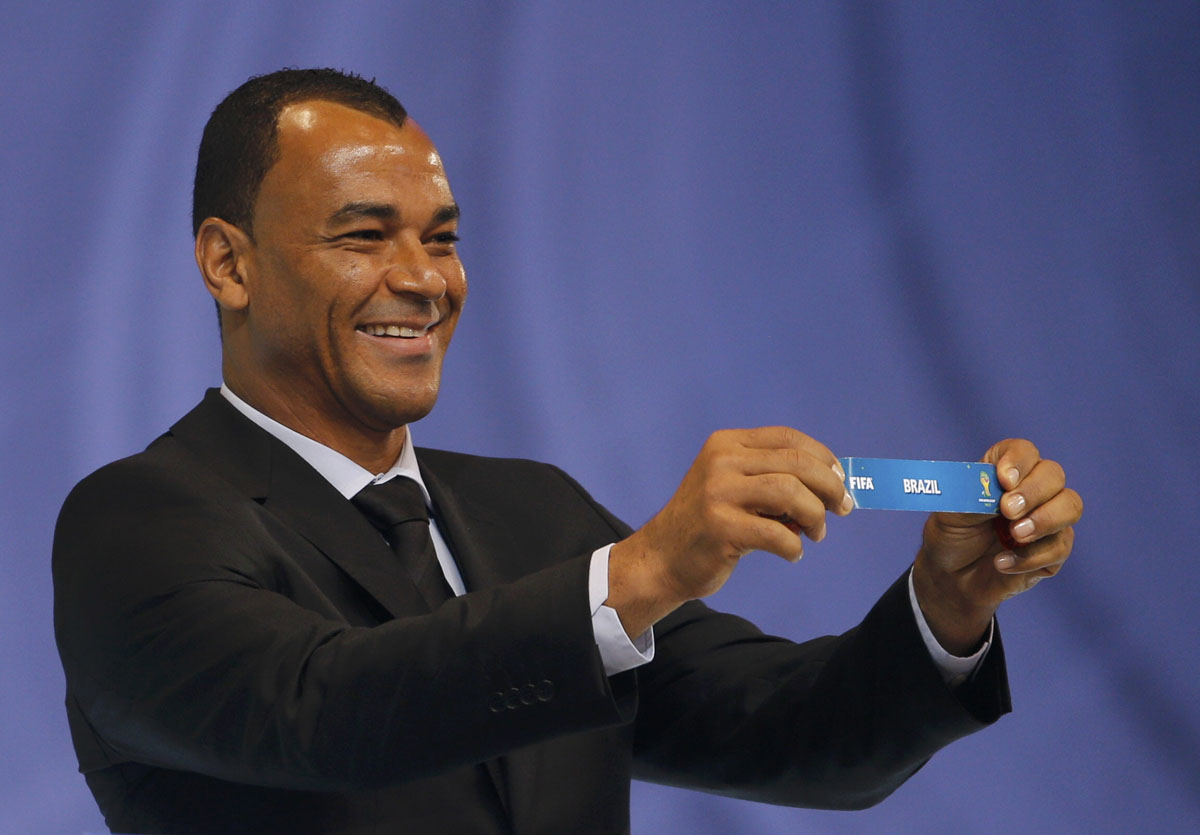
{"points": [[964, 571], [748, 490]]}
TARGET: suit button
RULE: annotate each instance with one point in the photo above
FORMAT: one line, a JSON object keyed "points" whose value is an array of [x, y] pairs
{"points": [[545, 690], [496, 702], [512, 699], [528, 694]]}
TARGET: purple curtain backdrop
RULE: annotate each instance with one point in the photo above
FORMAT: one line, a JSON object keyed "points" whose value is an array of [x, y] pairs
{"points": [[909, 230]]}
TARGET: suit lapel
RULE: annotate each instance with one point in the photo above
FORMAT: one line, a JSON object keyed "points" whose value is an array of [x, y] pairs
{"points": [[477, 537], [268, 471]]}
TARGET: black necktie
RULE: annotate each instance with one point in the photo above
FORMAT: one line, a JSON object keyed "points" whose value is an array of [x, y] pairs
{"points": [[397, 509]]}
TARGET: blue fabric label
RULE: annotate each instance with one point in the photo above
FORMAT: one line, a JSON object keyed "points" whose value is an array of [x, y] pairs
{"points": [[897, 484]]}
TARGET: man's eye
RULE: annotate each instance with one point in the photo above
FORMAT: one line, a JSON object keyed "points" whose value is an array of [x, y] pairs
{"points": [[365, 235], [444, 238]]}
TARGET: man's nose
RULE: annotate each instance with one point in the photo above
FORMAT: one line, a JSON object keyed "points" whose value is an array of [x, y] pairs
{"points": [[414, 272]]}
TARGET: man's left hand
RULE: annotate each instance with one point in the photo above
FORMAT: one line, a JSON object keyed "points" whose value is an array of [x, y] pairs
{"points": [[964, 571]]}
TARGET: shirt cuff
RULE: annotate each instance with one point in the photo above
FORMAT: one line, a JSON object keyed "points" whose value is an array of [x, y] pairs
{"points": [[955, 669], [617, 651]]}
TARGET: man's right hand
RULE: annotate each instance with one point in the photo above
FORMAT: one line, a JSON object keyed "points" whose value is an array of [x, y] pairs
{"points": [[747, 490]]}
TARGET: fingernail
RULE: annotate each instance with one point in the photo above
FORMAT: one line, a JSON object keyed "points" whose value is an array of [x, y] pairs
{"points": [[847, 502], [1014, 476], [1023, 528], [1005, 560], [837, 468], [1016, 503]]}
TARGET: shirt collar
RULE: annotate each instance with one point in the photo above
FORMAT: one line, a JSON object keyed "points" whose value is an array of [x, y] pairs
{"points": [[346, 476]]}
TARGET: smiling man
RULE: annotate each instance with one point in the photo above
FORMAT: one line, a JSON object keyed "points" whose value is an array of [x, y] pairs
{"points": [[284, 617]]}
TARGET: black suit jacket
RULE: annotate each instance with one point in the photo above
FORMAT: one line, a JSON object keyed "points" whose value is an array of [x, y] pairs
{"points": [[243, 654]]}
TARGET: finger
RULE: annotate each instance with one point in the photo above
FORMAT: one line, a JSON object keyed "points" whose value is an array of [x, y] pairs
{"points": [[1014, 459], [785, 498], [1043, 483], [749, 532], [1063, 510], [811, 471], [785, 520], [1016, 583], [784, 437], [1045, 556]]}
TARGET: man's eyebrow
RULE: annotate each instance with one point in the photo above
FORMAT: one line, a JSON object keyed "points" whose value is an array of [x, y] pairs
{"points": [[352, 211], [446, 214], [386, 211]]}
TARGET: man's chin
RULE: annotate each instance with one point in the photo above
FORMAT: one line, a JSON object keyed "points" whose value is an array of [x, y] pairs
{"points": [[392, 411]]}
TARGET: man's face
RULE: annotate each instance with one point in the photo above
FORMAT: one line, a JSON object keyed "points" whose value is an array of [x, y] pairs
{"points": [[354, 283]]}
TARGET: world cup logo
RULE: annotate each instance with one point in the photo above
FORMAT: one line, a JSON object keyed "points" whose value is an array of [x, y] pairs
{"points": [[987, 484]]}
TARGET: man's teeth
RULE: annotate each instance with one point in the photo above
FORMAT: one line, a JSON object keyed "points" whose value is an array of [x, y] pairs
{"points": [[392, 330]]}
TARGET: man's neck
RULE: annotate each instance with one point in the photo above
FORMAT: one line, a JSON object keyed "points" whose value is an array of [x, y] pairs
{"points": [[375, 451]]}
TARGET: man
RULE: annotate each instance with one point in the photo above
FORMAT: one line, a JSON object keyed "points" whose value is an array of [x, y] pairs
{"points": [[245, 652]]}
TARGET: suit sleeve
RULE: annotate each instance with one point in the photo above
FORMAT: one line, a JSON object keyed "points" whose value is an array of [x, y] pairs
{"points": [[191, 641], [837, 722]]}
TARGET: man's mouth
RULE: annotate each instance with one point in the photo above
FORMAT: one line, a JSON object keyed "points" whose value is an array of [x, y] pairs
{"points": [[401, 331]]}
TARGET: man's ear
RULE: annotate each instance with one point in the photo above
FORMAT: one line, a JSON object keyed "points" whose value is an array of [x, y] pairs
{"points": [[223, 255]]}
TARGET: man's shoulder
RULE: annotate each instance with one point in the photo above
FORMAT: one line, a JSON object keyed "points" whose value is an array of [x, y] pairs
{"points": [[171, 468], [164, 473]]}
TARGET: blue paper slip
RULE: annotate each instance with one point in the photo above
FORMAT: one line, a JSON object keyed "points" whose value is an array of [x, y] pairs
{"points": [[897, 484]]}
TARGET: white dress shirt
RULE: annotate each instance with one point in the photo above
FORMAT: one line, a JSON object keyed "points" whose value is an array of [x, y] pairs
{"points": [[617, 651]]}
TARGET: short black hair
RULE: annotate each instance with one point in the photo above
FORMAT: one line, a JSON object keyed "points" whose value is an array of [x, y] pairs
{"points": [[239, 144]]}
